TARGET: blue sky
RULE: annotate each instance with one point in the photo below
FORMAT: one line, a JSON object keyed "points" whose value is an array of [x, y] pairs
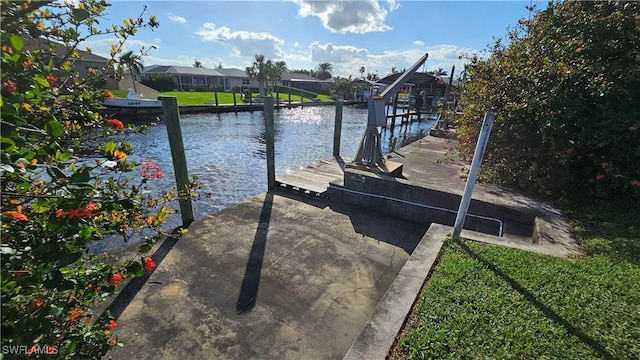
{"points": [[378, 35]]}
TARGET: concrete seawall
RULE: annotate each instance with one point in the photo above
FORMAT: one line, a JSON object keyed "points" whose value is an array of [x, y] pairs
{"points": [[287, 276]]}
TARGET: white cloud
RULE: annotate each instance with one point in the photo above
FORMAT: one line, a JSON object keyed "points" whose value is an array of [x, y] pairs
{"points": [[360, 17], [393, 5], [418, 43], [336, 53], [243, 43], [179, 19]]}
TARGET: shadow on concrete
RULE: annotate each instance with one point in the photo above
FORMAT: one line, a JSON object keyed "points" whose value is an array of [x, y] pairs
{"points": [[382, 227], [126, 295], [548, 312], [340, 162], [251, 281]]}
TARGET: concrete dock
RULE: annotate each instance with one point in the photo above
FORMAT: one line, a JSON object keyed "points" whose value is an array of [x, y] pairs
{"points": [[289, 276]]}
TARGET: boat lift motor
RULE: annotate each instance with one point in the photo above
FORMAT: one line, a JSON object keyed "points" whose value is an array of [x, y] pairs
{"points": [[369, 151]]}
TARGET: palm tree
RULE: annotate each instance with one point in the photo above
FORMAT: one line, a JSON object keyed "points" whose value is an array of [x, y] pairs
{"points": [[438, 72], [324, 70], [362, 72], [134, 63], [197, 64], [275, 73], [259, 71], [394, 70], [373, 77]]}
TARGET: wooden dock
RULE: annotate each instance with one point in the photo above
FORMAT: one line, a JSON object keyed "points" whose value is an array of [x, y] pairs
{"points": [[314, 180]]}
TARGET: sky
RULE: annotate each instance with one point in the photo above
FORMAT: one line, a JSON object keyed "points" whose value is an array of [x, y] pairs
{"points": [[376, 35]]}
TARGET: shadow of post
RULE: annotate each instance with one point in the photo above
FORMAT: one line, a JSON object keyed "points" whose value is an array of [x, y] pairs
{"points": [[547, 311], [126, 295], [251, 281]]}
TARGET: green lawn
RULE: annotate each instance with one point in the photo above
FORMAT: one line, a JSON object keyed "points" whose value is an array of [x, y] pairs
{"points": [[491, 302], [206, 98]]}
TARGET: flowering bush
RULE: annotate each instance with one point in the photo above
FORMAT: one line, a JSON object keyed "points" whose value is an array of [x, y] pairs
{"points": [[58, 195]]}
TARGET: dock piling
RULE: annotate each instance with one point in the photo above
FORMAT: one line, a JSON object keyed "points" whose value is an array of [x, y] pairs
{"points": [[337, 131], [270, 139], [172, 122]]}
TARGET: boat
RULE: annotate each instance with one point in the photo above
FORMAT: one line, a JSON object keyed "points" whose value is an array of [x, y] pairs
{"points": [[134, 101]]}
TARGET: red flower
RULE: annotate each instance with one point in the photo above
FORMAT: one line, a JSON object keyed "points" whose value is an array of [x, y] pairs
{"points": [[149, 264], [115, 280], [10, 86], [604, 164], [17, 215], [599, 177], [635, 182], [111, 324], [52, 80], [28, 65], [82, 212], [117, 123], [75, 314], [32, 350], [149, 170], [107, 93]]}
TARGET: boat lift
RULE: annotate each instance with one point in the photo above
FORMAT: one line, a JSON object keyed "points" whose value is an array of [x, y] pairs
{"points": [[369, 154]]}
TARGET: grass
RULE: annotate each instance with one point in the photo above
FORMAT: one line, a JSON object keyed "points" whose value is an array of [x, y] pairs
{"points": [[489, 302], [206, 98]]}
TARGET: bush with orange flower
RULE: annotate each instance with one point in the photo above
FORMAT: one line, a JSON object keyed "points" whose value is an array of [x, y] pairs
{"points": [[58, 195]]}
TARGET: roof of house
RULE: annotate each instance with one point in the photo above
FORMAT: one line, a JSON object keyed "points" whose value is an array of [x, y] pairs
{"points": [[59, 50], [182, 70], [417, 78], [232, 72], [301, 77]]}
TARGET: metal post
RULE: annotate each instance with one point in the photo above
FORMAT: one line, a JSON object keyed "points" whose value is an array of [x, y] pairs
{"points": [[270, 137], [481, 146], [172, 121], [215, 94], [337, 131]]}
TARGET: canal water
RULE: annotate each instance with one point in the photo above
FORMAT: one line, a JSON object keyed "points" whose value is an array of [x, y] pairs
{"points": [[227, 152]]}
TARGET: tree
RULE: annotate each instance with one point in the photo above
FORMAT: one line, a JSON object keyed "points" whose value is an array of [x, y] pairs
{"points": [[324, 70], [134, 63], [566, 90], [259, 71], [344, 87], [62, 186], [197, 64], [276, 70], [372, 77], [438, 72], [394, 70]]}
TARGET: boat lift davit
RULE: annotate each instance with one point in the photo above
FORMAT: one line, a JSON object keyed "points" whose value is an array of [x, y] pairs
{"points": [[369, 154]]}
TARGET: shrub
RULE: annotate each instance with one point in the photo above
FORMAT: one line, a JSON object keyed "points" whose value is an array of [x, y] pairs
{"points": [[58, 193], [566, 90]]}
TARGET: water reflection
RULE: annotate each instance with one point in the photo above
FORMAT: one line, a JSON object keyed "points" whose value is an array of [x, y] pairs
{"points": [[228, 151]]}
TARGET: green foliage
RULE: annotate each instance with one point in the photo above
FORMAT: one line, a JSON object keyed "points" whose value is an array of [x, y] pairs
{"points": [[60, 194], [566, 90], [487, 301], [161, 82]]}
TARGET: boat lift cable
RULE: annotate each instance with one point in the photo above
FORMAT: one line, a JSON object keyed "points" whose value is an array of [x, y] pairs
{"points": [[500, 222]]}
